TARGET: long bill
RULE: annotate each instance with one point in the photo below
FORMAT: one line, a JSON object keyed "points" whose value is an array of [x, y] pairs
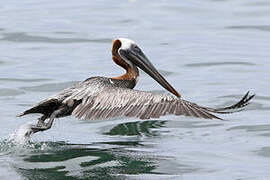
{"points": [[139, 59]]}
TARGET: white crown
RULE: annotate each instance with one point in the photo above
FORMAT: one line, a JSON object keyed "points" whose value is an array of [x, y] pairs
{"points": [[126, 43]]}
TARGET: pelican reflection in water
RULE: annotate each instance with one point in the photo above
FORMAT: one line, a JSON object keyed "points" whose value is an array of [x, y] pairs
{"points": [[104, 97]]}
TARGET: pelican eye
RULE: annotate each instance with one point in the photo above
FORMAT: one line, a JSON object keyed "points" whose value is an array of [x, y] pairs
{"points": [[136, 48]]}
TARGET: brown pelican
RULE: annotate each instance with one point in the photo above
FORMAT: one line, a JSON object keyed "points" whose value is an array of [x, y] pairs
{"points": [[103, 97]]}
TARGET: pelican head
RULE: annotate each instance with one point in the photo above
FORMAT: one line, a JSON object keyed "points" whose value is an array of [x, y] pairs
{"points": [[129, 55]]}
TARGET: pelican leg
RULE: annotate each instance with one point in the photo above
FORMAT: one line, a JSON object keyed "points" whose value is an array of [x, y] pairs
{"points": [[41, 126], [41, 120]]}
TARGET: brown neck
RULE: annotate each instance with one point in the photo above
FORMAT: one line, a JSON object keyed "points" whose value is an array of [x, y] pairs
{"points": [[132, 72]]}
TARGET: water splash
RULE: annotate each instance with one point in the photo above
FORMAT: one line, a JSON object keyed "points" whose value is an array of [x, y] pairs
{"points": [[22, 134]]}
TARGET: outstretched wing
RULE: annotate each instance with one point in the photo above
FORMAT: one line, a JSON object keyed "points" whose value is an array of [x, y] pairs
{"points": [[119, 102]]}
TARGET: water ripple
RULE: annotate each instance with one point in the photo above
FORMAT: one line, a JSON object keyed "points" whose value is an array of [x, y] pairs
{"points": [[63, 160], [64, 32], [125, 21], [218, 64], [20, 37], [265, 152], [50, 87], [252, 128], [23, 80], [138, 128], [10, 92], [255, 27]]}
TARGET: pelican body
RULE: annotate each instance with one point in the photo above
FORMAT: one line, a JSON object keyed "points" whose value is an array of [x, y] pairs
{"points": [[105, 97]]}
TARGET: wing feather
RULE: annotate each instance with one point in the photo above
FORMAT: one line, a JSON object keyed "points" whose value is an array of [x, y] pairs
{"points": [[116, 102]]}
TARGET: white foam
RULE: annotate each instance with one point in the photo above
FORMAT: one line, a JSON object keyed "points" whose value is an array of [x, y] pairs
{"points": [[22, 134]]}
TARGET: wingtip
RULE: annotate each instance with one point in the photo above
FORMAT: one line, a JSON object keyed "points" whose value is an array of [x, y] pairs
{"points": [[219, 118], [250, 96], [20, 115]]}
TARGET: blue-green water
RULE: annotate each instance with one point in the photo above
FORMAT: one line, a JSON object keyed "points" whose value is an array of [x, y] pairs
{"points": [[211, 51]]}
